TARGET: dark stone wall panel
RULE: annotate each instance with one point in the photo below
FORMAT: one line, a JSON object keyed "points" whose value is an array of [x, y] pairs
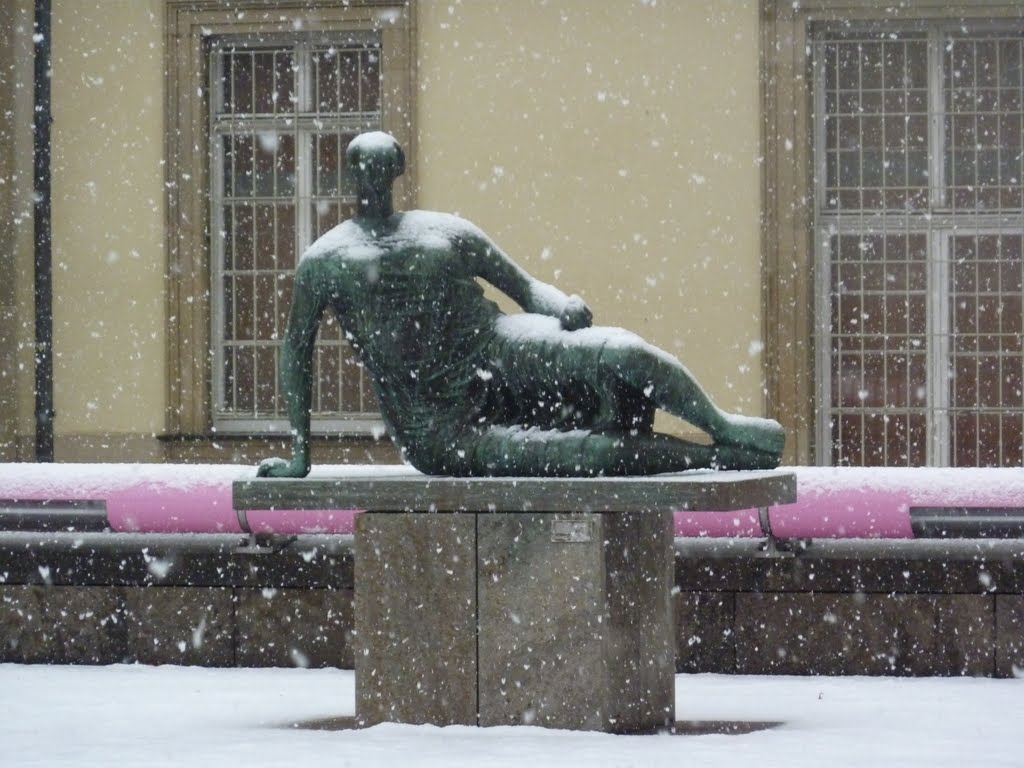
{"points": [[179, 625], [62, 625], [861, 634], [293, 628], [1010, 635], [705, 640]]}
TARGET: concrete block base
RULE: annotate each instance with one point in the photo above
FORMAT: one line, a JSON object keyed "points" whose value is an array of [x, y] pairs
{"points": [[415, 619], [563, 621]]}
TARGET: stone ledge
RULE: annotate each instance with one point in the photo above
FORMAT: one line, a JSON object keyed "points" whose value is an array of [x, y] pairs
{"points": [[182, 560], [327, 562], [414, 492], [886, 573], [293, 628], [179, 625]]}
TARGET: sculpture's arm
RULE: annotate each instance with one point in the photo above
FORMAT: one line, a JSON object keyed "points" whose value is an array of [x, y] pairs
{"points": [[308, 302], [533, 295]]}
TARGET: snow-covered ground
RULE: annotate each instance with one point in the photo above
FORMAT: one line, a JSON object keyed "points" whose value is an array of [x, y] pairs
{"points": [[177, 716]]}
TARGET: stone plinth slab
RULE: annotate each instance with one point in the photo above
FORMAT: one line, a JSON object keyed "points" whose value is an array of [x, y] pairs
{"points": [[362, 488]]}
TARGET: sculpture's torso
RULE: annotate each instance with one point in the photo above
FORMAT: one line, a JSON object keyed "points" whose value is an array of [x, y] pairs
{"points": [[410, 305]]}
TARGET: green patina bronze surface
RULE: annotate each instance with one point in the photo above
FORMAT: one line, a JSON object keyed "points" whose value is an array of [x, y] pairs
{"points": [[465, 389]]}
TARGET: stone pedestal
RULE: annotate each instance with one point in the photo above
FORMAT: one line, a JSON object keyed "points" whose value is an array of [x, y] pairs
{"points": [[497, 601], [504, 619]]}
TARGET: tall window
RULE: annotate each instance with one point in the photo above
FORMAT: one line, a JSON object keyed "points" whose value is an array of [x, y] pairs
{"points": [[283, 115], [262, 99], [918, 221]]}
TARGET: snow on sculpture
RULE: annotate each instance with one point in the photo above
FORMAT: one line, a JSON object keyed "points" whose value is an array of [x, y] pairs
{"points": [[467, 390]]}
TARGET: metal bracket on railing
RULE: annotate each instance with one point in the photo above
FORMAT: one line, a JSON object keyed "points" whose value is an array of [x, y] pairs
{"points": [[259, 544], [255, 544], [771, 546]]}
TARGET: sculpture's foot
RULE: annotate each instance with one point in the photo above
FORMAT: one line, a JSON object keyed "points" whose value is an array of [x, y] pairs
{"points": [[280, 468], [759, 435], [739, 457]]}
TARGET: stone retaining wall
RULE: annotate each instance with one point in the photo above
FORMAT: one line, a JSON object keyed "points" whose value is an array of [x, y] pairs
{"points": [[843, 609]]}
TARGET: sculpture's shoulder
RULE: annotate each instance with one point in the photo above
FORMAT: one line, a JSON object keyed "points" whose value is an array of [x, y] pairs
{"points": [[419, 226], [406, 232], [346, 241]]}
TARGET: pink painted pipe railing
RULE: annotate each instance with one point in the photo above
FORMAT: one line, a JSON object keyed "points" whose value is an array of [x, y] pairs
{"points": [[832, 502]]}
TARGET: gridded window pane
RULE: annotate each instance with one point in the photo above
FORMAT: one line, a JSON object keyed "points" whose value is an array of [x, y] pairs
{"points": [[325, 66], [265, 378], [347, 80], [282, 119], [264, 90], [283, 290], [987, 374], [879, 349], [983, 94], [243, 310], [328, 162], [238, 98], [369, 81], [284, 249], [876, 122], [243, 233], [355, 384], [265, 149], [283, 96], [240, 179], [325, 396], [244, 380], [256, 81], [284, 164], [920, 222]]}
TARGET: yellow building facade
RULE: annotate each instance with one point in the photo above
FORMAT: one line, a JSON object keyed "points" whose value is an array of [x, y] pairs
{"points": [[610, 148], [668, 161]]}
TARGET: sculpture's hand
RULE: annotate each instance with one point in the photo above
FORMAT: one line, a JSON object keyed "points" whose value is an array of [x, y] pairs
{"points": [[576, 314], [280, 468]]}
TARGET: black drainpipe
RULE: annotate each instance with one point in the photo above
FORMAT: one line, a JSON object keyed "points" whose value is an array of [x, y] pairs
{"points": [[43, 253]]}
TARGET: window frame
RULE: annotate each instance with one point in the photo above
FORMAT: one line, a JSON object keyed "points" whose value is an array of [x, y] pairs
{"points": [[939, 222], [303, 49], [790, 273], [191, 28]]}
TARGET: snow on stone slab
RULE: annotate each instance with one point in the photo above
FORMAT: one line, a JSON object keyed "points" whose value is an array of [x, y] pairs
{"points": [[126, 715]]}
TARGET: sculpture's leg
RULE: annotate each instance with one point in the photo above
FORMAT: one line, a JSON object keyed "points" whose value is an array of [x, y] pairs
{"points": [[629, 378], [673, 388], [551, 453]]}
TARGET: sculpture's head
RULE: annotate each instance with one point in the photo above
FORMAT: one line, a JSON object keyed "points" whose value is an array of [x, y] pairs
{"points": [[375, 160]]}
